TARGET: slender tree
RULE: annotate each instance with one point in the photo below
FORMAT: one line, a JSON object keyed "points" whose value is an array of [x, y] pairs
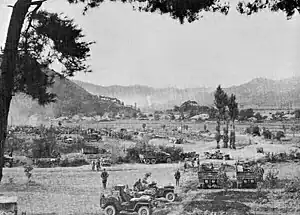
{"points": [[233, 113], [73, 59], [221, 101]]}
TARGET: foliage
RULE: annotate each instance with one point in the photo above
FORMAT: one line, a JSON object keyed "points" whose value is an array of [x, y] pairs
{"points": [[258, 116], [297, 113], [253, 130], [72, 162], [267, 134], [220, 101], [48, 36], [293, 186], [233, 108], [279, 135]]}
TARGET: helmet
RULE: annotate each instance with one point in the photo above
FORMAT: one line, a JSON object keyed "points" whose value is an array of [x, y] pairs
{"points": [[148, 174]]}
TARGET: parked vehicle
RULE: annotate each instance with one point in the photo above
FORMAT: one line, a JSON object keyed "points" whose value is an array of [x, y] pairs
{"points": [[246, 177], [120, 201], [167, 192], [216, 155], [157, 157]]}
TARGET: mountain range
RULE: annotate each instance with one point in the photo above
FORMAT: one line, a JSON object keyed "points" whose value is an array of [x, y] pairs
{"points": [[257, 93]]}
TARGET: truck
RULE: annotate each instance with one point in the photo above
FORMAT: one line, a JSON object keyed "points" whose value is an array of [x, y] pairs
{"points": [[156, 157]]}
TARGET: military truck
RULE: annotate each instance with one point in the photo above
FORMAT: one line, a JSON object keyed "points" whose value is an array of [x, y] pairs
{"points": [[156, 157], [208, 176], [246, 177]]}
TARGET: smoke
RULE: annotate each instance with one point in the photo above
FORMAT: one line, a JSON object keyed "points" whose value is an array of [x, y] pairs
{"points": [[149, 100]]}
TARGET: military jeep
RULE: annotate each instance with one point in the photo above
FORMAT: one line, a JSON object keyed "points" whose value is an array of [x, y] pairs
{"points": [[120, 201], [167, 192]]}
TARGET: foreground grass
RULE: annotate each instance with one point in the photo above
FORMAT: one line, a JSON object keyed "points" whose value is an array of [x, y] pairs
{"points": [[73, 190]]}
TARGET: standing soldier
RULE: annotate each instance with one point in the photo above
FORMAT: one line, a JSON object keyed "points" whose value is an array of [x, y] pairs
{"points": [[205, 126], [93, 165], [98, 165], [177, 177], [104, 176]]}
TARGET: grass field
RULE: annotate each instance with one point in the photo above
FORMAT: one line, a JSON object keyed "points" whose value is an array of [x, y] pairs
{"points": [[76, 190]]}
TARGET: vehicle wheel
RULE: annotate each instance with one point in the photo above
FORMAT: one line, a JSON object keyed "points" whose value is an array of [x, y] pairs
{"points": [[153, 161], [110, 210], [170, 196], [169, 160], [147, 161], [144, 210]]}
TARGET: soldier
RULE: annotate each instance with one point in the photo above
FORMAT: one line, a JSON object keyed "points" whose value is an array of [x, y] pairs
{"points": [[138, 186], [93, 165], [104, 176], [145, 181], [205, 126], [177, 177], [98, 165]]}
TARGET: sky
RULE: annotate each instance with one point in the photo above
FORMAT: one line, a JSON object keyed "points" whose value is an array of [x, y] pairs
{"points": [[150, 49]]}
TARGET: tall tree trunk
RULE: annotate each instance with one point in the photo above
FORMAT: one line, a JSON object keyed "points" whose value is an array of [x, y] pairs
{"points": [[8, 67]]}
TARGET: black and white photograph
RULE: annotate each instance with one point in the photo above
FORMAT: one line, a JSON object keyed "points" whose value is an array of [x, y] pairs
{"points": [[149, 107]]}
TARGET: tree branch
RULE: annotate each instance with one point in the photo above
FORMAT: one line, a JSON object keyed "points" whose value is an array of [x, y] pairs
{"points": [[32, 13]]}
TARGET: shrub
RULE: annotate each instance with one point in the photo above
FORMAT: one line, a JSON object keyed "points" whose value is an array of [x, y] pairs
{"points": [[255, 131], [72, 162], [267, 134], [279, 135]]}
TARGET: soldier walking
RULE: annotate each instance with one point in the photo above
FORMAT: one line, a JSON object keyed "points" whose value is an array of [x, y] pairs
{"points": [[104, 176], [177, 177]]}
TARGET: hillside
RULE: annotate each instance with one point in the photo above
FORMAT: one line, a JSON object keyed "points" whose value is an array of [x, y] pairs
{"points": [[259, 92], [71, 99], [148, 98]]}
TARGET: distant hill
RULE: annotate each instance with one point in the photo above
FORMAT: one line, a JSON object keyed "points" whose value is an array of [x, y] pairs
{"points": [[149, 98], [71, 99], [259, 92]]}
